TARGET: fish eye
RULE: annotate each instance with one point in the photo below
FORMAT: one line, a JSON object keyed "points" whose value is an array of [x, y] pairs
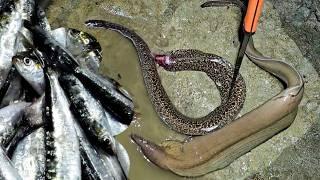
{"points": [[84, 38], [27, 61]]}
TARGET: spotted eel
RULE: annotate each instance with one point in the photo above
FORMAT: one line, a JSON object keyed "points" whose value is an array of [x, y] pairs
{"points": [[219, 70]]}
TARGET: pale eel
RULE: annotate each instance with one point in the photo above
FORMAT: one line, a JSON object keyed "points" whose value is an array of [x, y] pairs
{"points": [[219, 70]]}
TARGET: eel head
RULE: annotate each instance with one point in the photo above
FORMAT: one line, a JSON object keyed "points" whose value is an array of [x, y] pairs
{"points": [[159, 154]]}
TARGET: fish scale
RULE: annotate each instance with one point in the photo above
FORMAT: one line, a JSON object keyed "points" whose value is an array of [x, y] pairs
{"points": [[7, 170], [29, 156], [32, 119], [63, 155], [10, 118], [98, 120]]}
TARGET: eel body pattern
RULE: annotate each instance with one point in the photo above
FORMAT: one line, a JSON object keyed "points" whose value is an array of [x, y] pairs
{"points": [[219, 70]]}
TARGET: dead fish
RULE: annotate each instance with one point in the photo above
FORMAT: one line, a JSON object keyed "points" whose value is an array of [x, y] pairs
{"points": [[123, 158], [115, 163], [110, 97], [86, 50], [10, 118], [93, 167], [78, 94], [56, 55], [32, 119], [116, 126], [83, 46], [11, 23], [88, 111], [29, 156], [7, 170], [62, 143], [30, 68]]}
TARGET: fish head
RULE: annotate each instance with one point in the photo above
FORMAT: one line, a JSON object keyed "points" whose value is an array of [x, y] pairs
{"points": [[83, 41], [30, 68], [27, 63]]}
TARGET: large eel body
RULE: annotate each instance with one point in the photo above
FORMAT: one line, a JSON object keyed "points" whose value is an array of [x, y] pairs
{"points": [[210, 152], [219, 70]]}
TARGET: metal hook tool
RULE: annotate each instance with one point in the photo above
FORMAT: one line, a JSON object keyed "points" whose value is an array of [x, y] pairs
{"points": [[250, 24]]}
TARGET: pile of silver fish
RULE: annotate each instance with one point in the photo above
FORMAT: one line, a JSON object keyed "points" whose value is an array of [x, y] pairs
{"points": [[58, 115]]}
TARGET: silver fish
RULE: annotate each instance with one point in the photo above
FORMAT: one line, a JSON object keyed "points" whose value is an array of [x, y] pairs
{"points": [[88, 111], [86, 50], [63, 155], [32, 119], [30, 156], [116, 127], [10, 25], [93, 165], [30, 68], [7, 171], [112, 98], [10, 118], [24, 40], [78, 94], [123, 158], [115, 166], [83, 46]]}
